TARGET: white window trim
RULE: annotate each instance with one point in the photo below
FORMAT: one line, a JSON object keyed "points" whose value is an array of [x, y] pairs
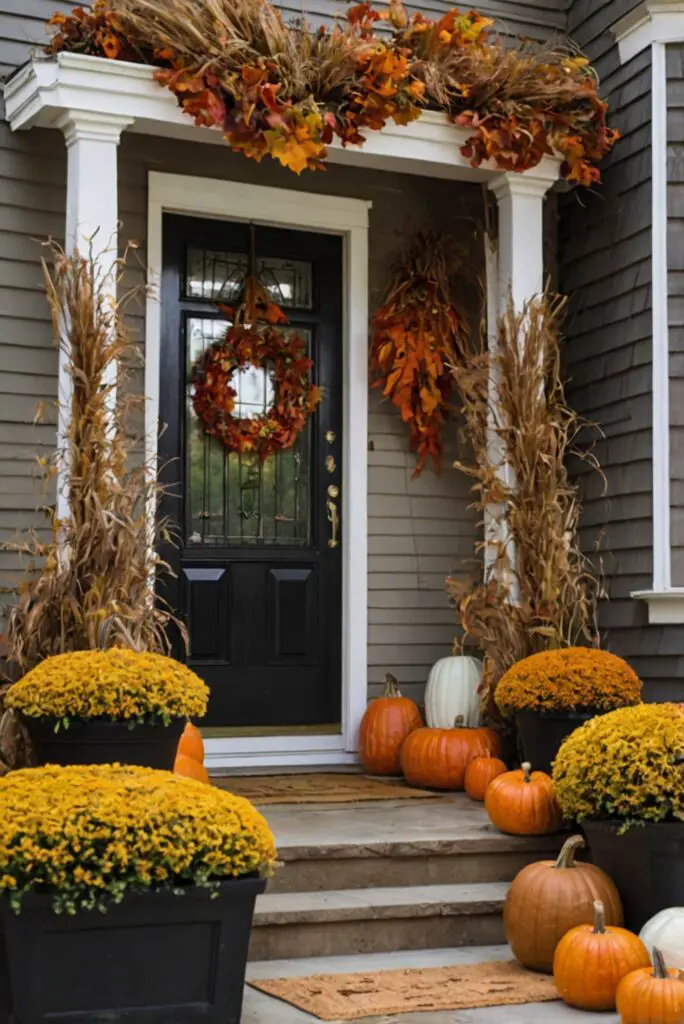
{"points": [[207, 197], [653, 25]]}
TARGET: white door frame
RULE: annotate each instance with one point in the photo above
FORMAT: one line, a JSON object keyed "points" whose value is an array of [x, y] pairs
{"points": [[209, 197]]}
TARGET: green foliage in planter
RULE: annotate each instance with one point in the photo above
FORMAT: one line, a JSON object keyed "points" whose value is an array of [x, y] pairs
{"points": [[90, 834], [627, 765]]}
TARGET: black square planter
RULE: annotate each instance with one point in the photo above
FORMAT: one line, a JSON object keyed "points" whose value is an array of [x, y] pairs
{"points": [[155, 958]]}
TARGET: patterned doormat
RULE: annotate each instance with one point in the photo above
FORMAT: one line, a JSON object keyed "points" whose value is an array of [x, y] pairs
{"points": [[341, 997], [323, 788]]}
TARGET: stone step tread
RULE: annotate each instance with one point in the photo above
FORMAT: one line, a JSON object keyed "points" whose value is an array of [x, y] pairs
{"points": [[371, 962], [381, 902], [491, 841]]}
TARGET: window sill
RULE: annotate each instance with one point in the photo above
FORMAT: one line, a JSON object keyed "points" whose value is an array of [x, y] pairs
{"points": [[665, 607]]}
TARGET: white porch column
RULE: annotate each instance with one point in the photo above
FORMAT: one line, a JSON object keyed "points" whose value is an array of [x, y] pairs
{"points": [[514, 269], [92, 215]]}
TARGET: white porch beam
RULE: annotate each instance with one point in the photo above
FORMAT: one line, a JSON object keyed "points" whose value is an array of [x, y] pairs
{"points": [[92, 215]]}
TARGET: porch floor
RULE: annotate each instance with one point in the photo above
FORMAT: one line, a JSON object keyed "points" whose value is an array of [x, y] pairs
{"points": [[375, 865]]}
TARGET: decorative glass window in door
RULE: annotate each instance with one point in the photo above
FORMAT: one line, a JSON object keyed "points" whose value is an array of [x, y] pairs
{"points": [[235, 499]]}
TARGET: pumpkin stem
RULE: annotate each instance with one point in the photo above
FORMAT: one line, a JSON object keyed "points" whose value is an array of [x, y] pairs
{"points": [[659, 966], [391, 686], [456, 648], [458, 722], [527, 771], [599, 918], [566, 858]]}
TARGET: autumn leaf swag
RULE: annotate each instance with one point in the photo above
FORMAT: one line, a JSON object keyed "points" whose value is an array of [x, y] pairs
{"points": [[289, 90], [256, 338], [416, 335]]}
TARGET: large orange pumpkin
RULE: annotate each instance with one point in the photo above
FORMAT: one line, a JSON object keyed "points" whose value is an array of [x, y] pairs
{"points": [[548, 898], [479, 773], [190, 768], [523, 803], [651, 995], [387, 722], [438, 758], [191, 743], [591, 961]]}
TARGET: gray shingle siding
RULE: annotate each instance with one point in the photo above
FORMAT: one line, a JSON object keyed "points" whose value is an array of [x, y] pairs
{"points": [[675, 259], [605, 256]]}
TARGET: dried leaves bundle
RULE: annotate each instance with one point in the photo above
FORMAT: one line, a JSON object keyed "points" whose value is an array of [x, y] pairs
{"points": [[416, 334], [539, 590], [92, 585]]}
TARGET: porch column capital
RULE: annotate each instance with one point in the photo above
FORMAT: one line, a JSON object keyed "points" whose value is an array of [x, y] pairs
{"points": [[520, 198]]}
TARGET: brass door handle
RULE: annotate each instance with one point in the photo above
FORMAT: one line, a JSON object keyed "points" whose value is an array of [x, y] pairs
{"points": [[333, 517]]}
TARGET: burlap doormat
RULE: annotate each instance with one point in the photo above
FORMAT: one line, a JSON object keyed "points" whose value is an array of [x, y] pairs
{"points": [[326, 788], [352, 996]]}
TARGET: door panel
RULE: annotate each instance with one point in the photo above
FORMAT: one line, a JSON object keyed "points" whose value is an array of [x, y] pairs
{"points": [[258, 579]]}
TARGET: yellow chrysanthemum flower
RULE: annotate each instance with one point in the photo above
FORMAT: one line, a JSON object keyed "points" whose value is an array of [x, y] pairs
{"points": [[627, 765], [117, 684], [568, 679], [90, 833]]}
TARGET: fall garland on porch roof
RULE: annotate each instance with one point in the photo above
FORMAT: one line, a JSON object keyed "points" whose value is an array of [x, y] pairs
{"points": [[287, 90]]}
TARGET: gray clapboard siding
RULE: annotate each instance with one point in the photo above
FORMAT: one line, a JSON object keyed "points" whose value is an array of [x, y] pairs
{"points": [[32, 197], [605, 252]]}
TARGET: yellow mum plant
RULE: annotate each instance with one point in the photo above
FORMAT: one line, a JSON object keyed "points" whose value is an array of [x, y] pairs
{"points": [[118, 684], [568, 679], [89, 834], [626, 765]]}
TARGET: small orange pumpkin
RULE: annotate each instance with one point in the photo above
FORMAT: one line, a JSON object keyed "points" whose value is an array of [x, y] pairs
{"points": [[387, 722], [651, 995], [480, 772], [190, 768], [438, 758], [191, 743], [523, 803], [591, 961], [548, 898]]}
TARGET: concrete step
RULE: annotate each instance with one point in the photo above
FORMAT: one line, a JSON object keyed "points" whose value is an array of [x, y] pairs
{"points": [[491, 858], [377, 920]]}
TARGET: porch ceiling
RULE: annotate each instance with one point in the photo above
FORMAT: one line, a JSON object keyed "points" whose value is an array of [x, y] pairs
{"points": [[43, 90]]}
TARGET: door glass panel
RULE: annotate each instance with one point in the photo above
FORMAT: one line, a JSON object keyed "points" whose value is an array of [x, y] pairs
{"points": [[234, 499], [220, 277]]}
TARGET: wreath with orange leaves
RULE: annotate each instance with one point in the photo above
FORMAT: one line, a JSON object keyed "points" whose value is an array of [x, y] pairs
{"points": [[254, 340]]}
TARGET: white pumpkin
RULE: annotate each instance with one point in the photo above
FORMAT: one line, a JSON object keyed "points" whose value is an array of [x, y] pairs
{"points": [[452, 692], [665, 931]]}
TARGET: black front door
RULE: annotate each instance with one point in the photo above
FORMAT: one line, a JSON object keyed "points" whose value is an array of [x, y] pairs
{"points": [[258, 561]]}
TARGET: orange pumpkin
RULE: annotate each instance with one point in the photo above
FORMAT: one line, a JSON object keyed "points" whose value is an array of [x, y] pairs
{"points": [[651, 995], [190, 768], [591, 961], [191, 743], [523, 803], [548, 898], [438, 758], [384, 727], [479, 773]]}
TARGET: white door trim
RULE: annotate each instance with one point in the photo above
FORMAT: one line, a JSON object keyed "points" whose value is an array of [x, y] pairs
{"points": [[209, 197]]}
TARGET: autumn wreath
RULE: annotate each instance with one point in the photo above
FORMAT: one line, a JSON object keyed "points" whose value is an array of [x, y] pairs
{"points": [[249, 342]]}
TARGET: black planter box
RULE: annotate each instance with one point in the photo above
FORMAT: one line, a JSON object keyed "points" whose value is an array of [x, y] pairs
{"points": [[541, 734], [155, 958], [99, 741], [646, 864]]}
